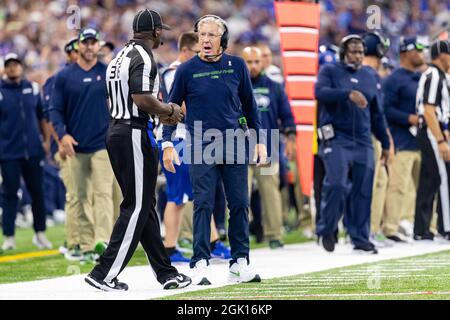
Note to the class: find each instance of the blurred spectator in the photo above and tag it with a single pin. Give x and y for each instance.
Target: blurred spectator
(106, 53)
(22, 149)
(37, 29)
(398, 18)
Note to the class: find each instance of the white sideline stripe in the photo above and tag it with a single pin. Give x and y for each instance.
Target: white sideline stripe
(292, 260)
(318, 295)
(298, 30)
(303, 103)
(304, 127)
(129, 233)
(302, 78)
(299, 54)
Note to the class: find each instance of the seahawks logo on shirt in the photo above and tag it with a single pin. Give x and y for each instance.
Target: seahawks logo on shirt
(262, 101)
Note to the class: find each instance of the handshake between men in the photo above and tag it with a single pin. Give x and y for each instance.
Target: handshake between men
(177, 114)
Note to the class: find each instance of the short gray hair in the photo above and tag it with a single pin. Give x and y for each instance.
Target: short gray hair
(218, 22)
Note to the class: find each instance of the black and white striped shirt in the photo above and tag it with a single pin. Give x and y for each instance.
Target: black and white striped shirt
(132, 71)
(433, 89)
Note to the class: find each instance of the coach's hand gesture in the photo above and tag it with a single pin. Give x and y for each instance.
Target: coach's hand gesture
(260, 156)
(67, 143)
(170, 156)
(358, 98)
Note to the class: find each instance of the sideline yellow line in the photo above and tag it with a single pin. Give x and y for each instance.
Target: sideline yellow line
(29, 255)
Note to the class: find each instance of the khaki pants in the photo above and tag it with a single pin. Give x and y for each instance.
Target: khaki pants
(402, 190)
(380, 183)
(268, 186)
(95, 167)
(186, 223)
(71, 224)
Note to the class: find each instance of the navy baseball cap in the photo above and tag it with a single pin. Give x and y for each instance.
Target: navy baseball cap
(148, 20)
(376, 44)
(72, 45)
(89, 33)
(12, 57)
(411, 43)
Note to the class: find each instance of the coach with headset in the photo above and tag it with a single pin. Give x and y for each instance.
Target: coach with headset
(217, 91)
(349, 113)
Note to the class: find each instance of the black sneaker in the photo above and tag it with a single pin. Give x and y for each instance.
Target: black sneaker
(115, 285)
(424, 237)
(327, 242)
(395, 239)
(368, 248)
(177, 282)
(275, 244)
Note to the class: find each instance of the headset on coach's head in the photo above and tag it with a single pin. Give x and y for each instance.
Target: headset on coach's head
(225, 36)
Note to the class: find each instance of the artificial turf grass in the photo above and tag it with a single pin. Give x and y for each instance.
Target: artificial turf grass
(380, 279)
(57, 266)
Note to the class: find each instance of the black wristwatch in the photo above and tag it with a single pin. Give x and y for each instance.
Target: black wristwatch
(441, 141)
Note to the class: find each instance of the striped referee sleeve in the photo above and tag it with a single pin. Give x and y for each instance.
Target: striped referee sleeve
(141, 79)
(432, 88)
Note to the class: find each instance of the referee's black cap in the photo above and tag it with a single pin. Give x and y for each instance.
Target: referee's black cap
(438, 47)
(148, 20)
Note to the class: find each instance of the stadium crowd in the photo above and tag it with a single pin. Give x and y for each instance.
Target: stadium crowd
(42, 35)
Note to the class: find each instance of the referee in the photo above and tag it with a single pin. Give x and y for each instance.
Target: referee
(433, 106)
(133, 84)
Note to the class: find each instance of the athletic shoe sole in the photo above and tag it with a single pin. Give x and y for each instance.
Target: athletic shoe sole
(232, 278)
(72, 258)
(98, 285)
(364, 252)
(174, 284)
(203, 282)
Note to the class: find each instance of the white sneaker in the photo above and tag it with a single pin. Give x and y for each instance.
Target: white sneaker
(380, 241)
(406, 227)
(240, 272)
(200, 273)
(59, 216)
(9, 243)
(41, 241)
(22, 222)
(49, 222)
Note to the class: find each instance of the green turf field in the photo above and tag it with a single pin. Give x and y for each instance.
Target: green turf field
(58, 266)
(421, 277)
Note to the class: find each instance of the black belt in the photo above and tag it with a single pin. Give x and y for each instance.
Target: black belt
(134, 123)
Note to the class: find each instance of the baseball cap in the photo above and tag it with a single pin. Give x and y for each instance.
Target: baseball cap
(148, 20)
(108, 44)
(72, 45)
(88, 33)
(12, 57)
(376, 44)
(411, 43)
(438, 47)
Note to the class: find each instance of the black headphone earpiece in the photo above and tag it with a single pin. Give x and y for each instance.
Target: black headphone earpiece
(344, 43)
(225, 36)
(382, 46)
